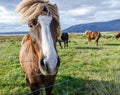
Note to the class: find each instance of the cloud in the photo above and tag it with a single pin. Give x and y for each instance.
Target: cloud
(9, 21)
(13, 27)
(112, 3)
(75, 16)
(7, 16)
(107, 15)
(88, 11)
(71, 12)
(80, 11)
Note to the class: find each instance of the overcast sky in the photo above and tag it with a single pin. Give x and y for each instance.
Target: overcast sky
(71, 12)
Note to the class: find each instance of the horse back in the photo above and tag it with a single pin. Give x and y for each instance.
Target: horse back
(95, 35)
(64, 36)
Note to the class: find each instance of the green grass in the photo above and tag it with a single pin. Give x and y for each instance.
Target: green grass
(84, 70)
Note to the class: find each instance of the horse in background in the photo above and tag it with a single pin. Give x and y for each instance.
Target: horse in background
(93, 36)
(116, 35)
(38, 55)
(64, 38)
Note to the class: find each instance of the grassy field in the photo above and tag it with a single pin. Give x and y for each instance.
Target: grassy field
(85, 69)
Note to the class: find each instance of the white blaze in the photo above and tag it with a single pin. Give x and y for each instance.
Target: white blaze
(47, 41)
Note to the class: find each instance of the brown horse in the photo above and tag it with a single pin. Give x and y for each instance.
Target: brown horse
(38, 56)
(117, 35)
(93, 36)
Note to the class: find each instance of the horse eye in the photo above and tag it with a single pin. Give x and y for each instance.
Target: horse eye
(30, 26)
(34, 22)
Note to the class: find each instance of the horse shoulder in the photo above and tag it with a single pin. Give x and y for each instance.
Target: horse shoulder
(28, 57)
(25, 47)
(89, 34)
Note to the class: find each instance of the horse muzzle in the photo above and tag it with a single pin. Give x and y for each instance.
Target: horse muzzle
(49, 66)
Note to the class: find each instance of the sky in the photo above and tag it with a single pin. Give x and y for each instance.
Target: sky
(71, 12)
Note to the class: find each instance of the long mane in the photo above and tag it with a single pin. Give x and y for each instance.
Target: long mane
(30, 9)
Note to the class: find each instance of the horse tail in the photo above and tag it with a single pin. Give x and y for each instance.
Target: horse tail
(98, 36)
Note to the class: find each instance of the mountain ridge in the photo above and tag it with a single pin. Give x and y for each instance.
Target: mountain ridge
(113, 25)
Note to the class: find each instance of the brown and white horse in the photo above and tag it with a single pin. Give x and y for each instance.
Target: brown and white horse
(93, 36)
(38, 56)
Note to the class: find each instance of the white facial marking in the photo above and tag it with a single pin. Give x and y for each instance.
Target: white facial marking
(47, 41)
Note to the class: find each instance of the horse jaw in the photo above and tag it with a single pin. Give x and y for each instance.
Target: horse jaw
(49, 52)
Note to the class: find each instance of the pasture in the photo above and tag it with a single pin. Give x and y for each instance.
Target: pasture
(84, 70)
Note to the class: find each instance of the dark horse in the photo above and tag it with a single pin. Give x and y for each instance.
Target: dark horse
(38, 56)
(64, 38)
(93, 36)
(117, 35)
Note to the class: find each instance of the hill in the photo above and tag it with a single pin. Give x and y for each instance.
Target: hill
(113, 25)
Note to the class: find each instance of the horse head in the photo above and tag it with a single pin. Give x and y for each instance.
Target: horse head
(43, 21)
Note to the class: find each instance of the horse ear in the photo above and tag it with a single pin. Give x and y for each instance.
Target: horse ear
(56, 6)
(30, 24)
(45, 9)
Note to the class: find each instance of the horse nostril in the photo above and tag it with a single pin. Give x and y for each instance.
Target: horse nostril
(44, 64)
(41, 62)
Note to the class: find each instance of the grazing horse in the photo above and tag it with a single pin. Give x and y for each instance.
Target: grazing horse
(64, 38)
(38, 56)
(116, 35)
(93, 36)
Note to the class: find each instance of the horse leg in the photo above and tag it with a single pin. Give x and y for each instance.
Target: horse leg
(35, 88)
(97, 42)
(49, 86)
(48, 89)
(89, 42)
(67, 43)
(64, 44)
(60, 44)
(27, 80)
